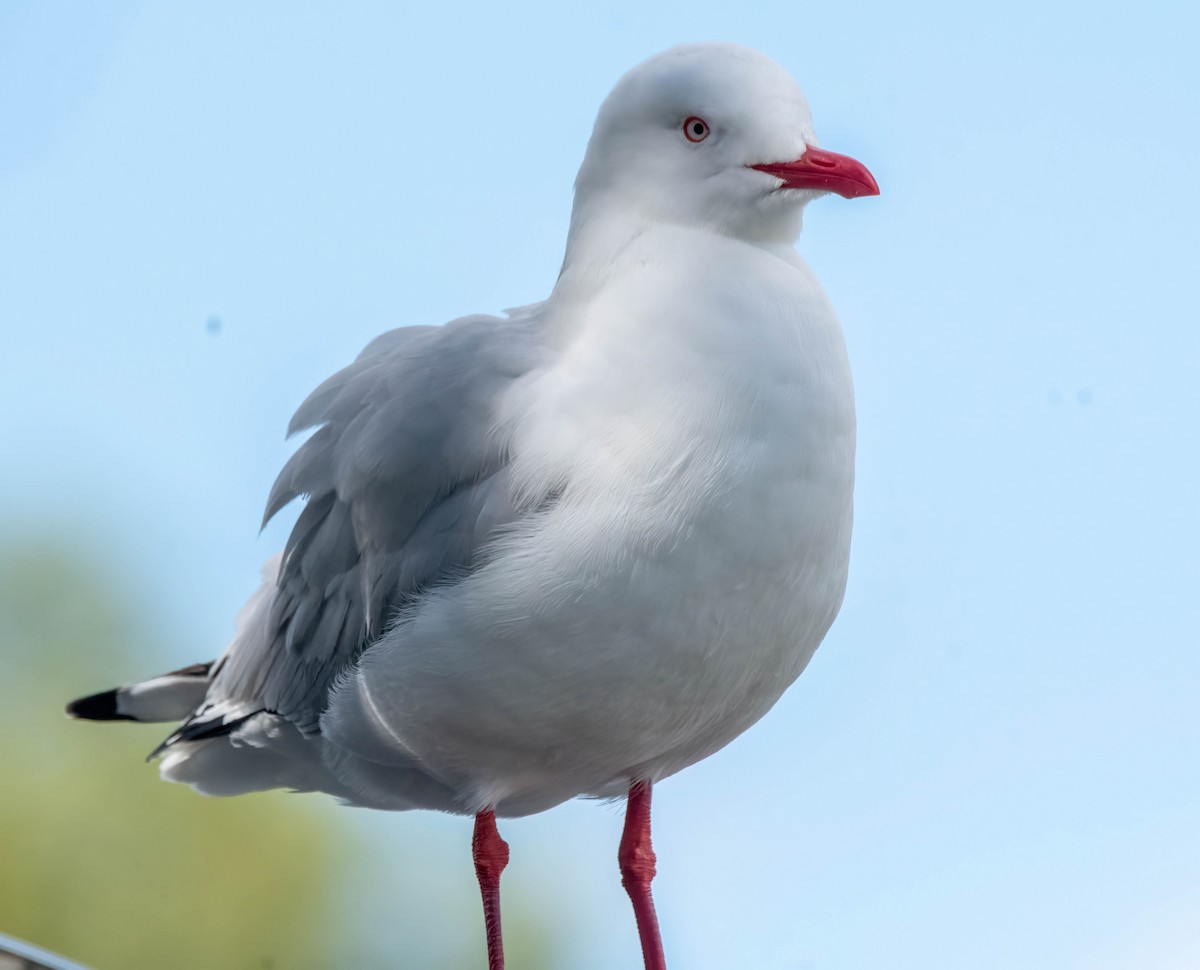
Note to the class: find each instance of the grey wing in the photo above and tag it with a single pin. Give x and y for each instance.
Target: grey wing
(405, 483)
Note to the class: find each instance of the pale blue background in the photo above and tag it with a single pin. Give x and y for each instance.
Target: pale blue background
(205, 209)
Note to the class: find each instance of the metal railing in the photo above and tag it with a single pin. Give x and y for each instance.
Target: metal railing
(19, 955)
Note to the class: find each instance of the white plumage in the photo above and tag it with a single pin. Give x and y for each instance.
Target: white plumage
(577, 547)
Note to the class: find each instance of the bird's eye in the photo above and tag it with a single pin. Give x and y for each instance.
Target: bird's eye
(696, 129)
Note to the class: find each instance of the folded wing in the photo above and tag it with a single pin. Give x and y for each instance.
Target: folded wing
(405, 483)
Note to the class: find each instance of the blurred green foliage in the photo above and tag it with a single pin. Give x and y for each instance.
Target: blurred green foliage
(106, 864)
(101, 860)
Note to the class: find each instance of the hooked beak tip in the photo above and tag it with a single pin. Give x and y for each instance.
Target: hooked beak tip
(824, 171)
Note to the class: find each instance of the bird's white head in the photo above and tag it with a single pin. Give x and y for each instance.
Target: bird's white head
(714, 135)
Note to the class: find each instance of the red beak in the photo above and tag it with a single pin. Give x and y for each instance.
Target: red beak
(824, 171)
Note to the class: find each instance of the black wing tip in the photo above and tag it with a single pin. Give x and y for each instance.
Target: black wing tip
(193, 670)
(162, 746)
(202, 730)
(97, 707)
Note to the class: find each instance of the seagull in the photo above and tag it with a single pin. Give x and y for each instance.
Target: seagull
(577, 548)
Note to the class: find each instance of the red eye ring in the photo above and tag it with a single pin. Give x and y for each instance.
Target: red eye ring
(695, 129)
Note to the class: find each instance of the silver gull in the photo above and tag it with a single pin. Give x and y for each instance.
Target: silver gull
(572, 550)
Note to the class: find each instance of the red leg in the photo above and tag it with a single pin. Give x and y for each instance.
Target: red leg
(491, 856)
(636, 857)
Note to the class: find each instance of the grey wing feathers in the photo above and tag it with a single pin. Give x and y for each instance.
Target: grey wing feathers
(404, 481)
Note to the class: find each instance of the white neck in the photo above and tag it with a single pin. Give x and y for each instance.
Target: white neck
(604, 223)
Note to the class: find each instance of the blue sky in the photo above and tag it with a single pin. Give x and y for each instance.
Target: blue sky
(205, 209)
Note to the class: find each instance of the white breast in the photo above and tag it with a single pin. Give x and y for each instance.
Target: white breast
(693, 447)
